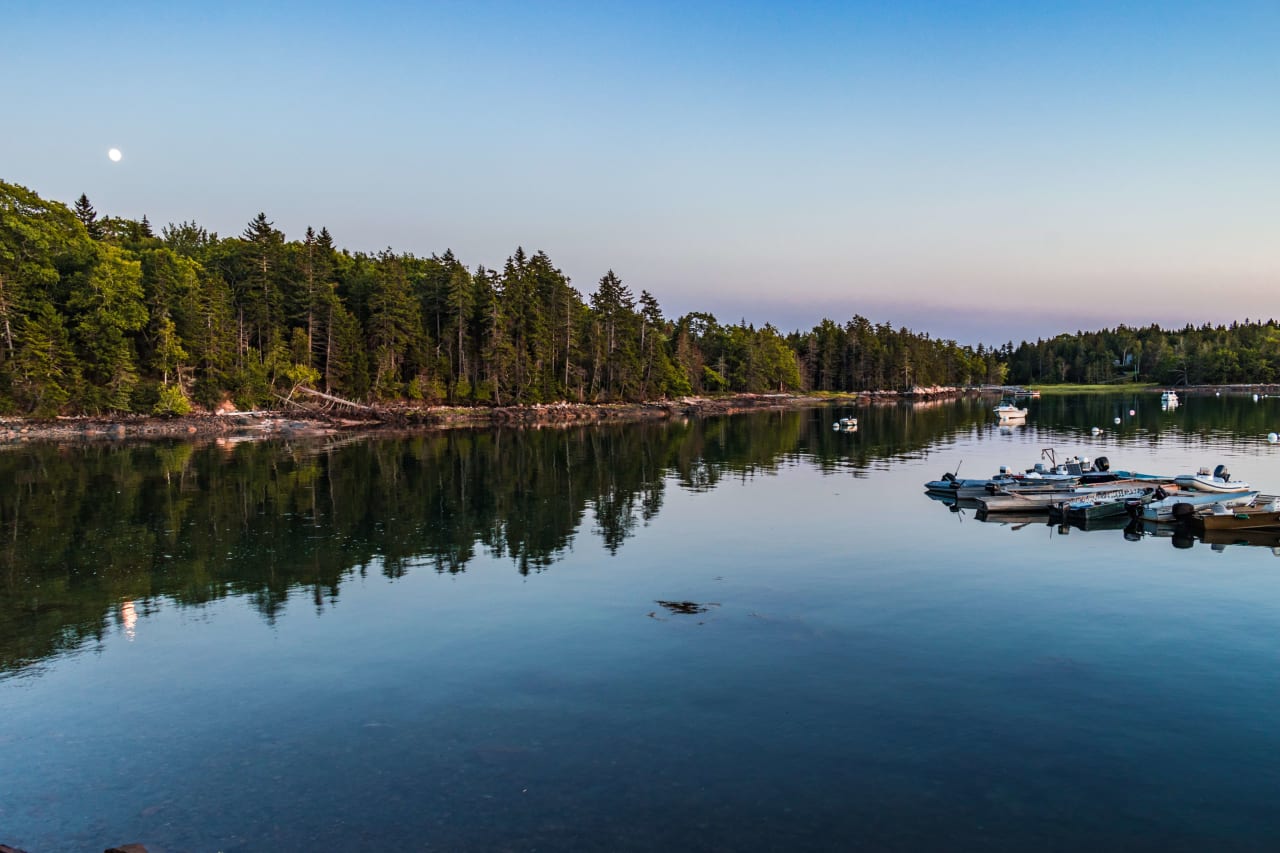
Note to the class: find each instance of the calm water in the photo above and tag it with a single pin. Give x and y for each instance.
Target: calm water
(745, 633)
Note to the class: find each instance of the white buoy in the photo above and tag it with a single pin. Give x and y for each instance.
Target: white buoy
(1272, 438)
(1096, 430)
(1255, 398)
(1117, 422)
(1132, 413)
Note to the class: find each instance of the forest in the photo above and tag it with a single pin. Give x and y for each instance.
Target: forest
(1247, 352)
(100, 314)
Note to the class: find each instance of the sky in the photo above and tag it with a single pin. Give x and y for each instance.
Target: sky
(982, 171)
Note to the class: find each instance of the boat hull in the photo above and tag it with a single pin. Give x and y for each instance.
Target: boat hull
(1216, 485)
(1110, 505)
(1240, 518)
(1162, 510)
(1046, 499)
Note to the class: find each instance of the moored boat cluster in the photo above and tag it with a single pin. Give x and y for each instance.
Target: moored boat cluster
(1083, 491)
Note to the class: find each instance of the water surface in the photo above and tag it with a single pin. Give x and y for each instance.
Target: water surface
(734, 633)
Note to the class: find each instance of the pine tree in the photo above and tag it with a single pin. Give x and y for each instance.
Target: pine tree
(460, 301)
(187, 238)
(651, 351)
(619, 332)
(394, 318)
(88, 217)
(107, 307)
(44, 374)
(310, 251)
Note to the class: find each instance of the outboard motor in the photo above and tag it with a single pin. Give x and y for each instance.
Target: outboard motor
(1221, 473)
(1102, 463)
(950, 478)
(1181, 511)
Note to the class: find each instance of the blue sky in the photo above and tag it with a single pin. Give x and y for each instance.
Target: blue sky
(979, 170)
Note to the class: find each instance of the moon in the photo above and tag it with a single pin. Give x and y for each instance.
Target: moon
(114, 155)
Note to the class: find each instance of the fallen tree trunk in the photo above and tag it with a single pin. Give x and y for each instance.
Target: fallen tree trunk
(332, 399)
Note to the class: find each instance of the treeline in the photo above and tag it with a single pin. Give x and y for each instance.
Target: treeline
(101, 314)
(1247, 352)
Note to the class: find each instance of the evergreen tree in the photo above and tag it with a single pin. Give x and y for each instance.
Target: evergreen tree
(106, 308)
(88, 217)
(260, 291)
(43, 374)
(394, 317)
(460, 304)
(187, 238)
(615, 308)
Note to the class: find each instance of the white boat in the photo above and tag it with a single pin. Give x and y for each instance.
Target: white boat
(1169, 400)
(845, 425)
(1066, 474)
(1040, 500)
(1009, 412)
(1165, 509)
(1219, 481)
(950, 483)
(1005, 480)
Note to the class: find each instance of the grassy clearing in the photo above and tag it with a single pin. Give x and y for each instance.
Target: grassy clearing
(1113, 388)
(832, 395)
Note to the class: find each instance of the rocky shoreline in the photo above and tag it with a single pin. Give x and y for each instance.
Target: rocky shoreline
(283, 424)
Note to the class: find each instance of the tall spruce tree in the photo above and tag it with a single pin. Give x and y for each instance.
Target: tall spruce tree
(460, 302)
(88, 217)
(107, 307)
(262, 296)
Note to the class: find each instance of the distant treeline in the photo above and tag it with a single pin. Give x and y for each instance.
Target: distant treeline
(101, 314)
(1247, 352)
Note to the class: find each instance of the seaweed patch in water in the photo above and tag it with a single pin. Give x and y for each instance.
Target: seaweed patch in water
(687, 608)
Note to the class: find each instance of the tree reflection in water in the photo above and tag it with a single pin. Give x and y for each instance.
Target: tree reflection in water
(97, 534)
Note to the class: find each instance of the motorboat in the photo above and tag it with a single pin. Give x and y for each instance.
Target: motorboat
(1045, 500)
(1007, 411)
(1184, 504)
(1219, 481)
(1072, 471)
(846, 425)
(1104, 504)
(1260, 514)
(950, 483)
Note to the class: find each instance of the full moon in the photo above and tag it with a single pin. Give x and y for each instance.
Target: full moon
(114, 155)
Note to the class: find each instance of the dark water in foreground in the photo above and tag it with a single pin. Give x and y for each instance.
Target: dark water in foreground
(747, 633)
